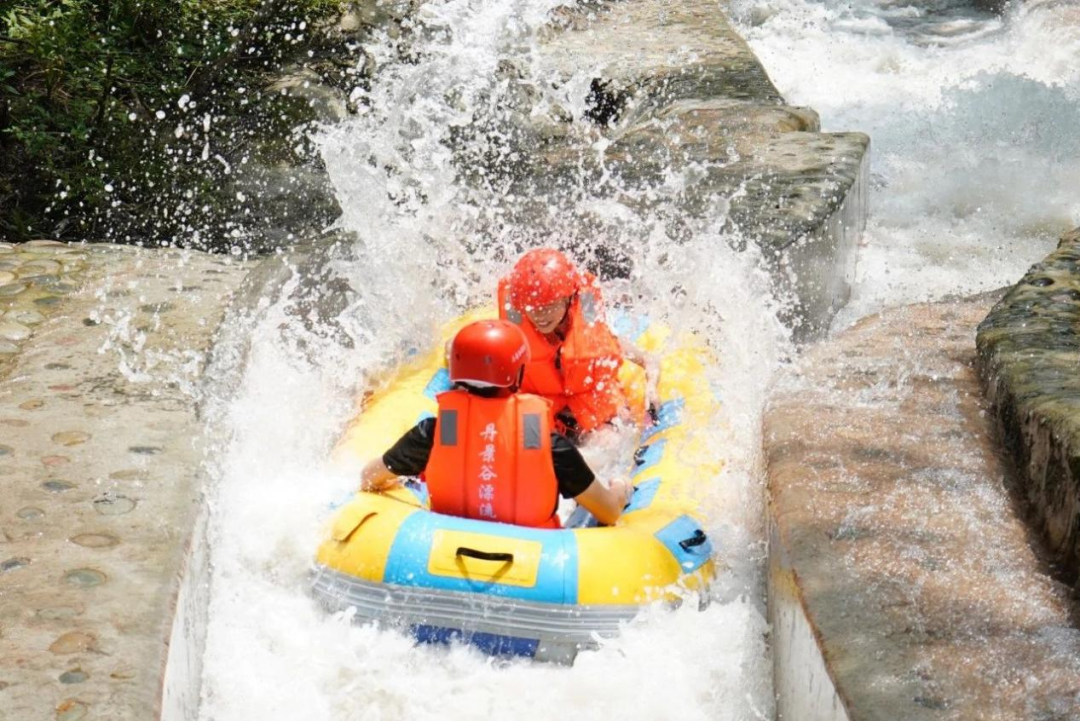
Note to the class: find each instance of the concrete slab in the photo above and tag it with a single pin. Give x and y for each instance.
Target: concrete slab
(100, 470)
(898, 556)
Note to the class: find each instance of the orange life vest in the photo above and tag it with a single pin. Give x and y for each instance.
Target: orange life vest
(491, 460)
(581, 372)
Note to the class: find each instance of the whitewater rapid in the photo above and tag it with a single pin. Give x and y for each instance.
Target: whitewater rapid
(974, 120)
(975, 135)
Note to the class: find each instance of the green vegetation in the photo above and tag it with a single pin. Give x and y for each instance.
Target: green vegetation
(124, 119)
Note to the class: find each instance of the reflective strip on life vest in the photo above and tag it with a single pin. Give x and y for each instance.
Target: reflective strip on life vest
(531, 431)
(448, 427)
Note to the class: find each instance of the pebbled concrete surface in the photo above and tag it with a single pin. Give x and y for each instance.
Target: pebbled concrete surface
(893, 527)
(99, 464)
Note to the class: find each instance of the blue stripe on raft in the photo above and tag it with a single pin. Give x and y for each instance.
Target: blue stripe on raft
(492, 644)
(439, 383)
(581, 518)
(643, 495)
(557, 576)
(627, 326)
(418, 489)
(682, 529)
(668, 415)
(649, 456)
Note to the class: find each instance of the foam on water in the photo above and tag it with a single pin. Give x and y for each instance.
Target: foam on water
(975, 123)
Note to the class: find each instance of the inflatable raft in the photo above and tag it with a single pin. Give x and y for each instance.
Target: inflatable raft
(520, 591)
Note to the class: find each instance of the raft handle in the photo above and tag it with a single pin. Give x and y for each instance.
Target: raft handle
(484, 555)
(697, 539)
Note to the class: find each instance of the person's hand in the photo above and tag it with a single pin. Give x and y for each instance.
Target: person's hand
(623, 490)
(376, 477)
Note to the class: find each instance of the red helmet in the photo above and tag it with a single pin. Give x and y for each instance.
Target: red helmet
(541, 277)
(489, 354)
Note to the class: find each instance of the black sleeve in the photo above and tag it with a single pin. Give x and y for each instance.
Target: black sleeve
(409, 456)
(571, 470)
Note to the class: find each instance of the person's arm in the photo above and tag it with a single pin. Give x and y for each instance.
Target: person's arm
(606, 504)
(577, 481)
(376, 476)
(407, 457)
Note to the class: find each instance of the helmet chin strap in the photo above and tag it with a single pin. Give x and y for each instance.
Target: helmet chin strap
(517, 384)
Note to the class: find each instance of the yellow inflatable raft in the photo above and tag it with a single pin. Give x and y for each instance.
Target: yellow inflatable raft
(525, 591)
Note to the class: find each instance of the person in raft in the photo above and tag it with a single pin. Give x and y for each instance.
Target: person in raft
(490, 453)
(575, 357)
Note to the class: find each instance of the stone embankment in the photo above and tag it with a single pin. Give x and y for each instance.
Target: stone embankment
(675, 90)
(903, 580)
(1029, 358)
(101, 349)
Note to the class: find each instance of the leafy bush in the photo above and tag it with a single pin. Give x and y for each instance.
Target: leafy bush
(122, 118)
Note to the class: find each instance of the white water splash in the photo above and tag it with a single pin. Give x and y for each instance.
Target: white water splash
(975, 123)
(935, 96)
(270, 652)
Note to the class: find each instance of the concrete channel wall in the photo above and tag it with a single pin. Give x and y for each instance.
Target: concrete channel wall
(181, 681)
(803, 682)
(1029, 360)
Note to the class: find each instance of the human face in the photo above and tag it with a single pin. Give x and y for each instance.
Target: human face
(547, 318)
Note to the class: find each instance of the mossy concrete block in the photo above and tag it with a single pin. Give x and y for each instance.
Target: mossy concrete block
(1029, 359)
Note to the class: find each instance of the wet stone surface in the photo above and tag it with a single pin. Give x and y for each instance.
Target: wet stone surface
(32, 280)
(96, 540)
(675, 90)
(114, 505)
(71, 438)
(75, 675)
(58, 613)
(71, 710)
(84, 577)
(892, 522)
(128, 474)
(13, 564)
(73, 642)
